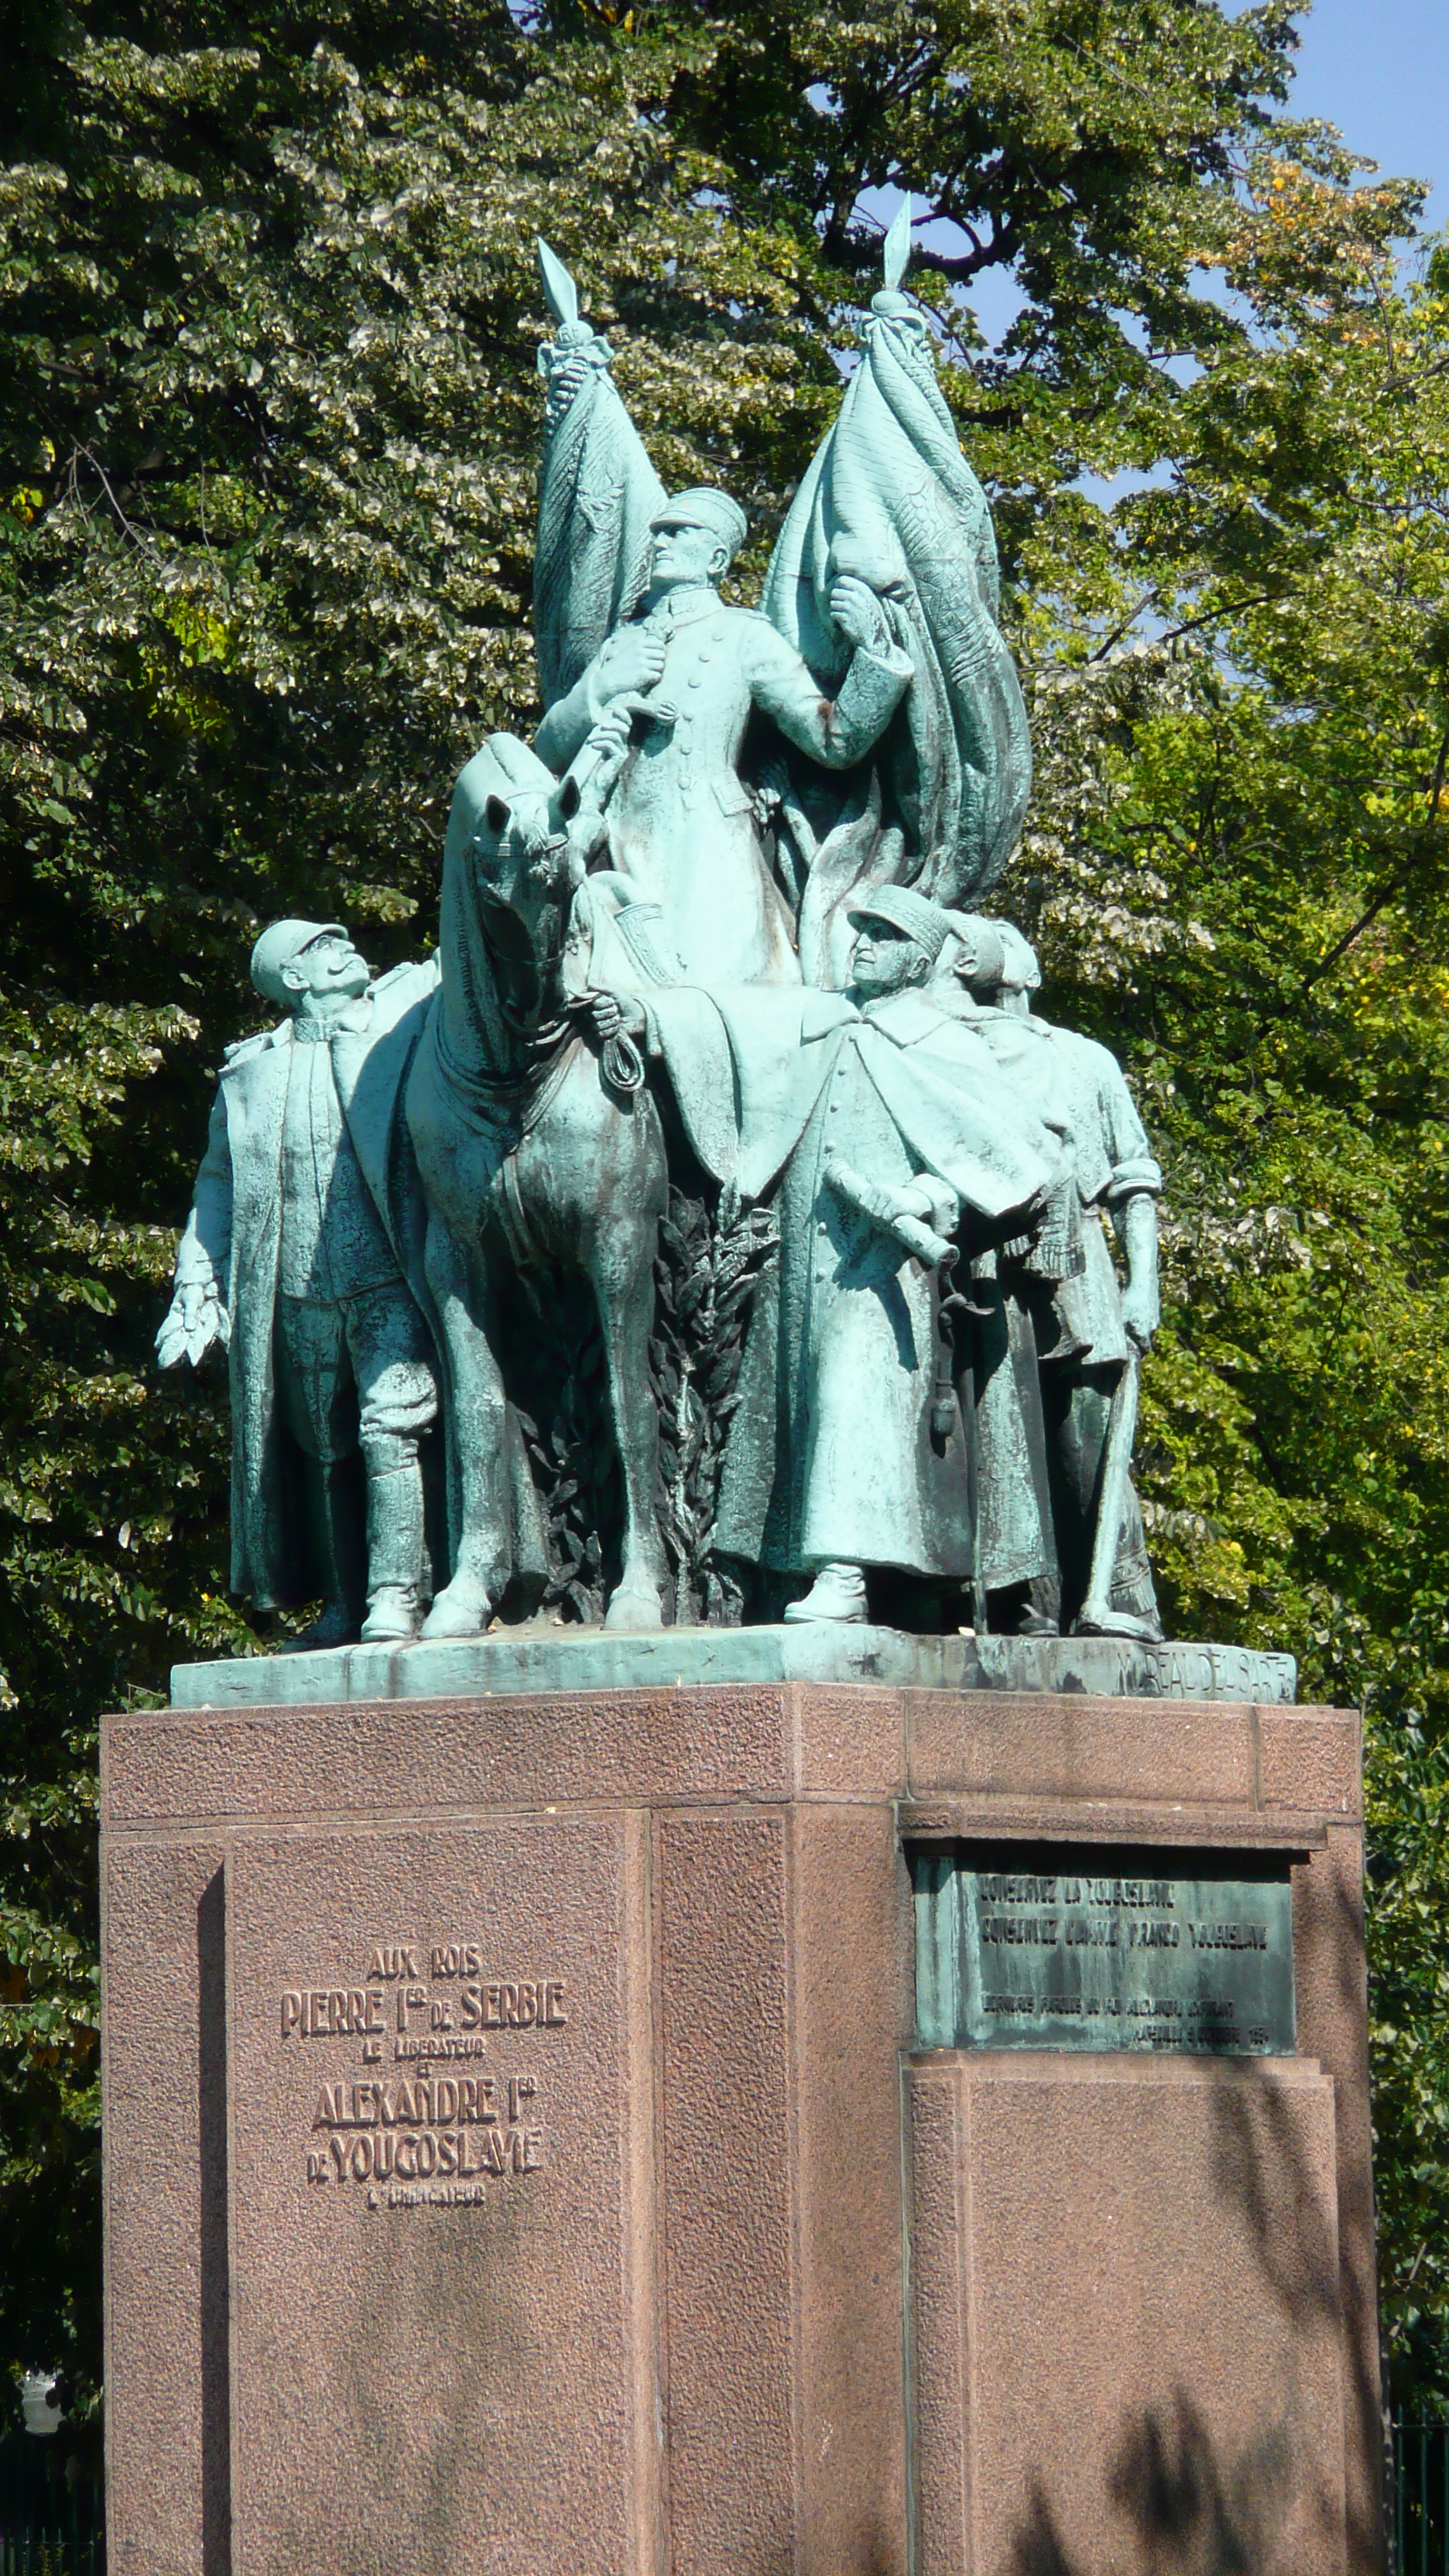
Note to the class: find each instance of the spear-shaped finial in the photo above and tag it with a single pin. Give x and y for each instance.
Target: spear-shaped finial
(558, 286)
(898, 246)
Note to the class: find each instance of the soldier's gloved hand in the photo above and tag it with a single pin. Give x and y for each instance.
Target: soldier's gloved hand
(632, 659)
(195, 1320)
(858, 613)
(1141, 1313)
(561, 383)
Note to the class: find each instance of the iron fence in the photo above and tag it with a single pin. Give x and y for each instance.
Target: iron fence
(52, 2519)
(1420, 2500)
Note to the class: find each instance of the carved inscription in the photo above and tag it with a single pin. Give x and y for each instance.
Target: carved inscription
(414, 2136)
(1061, 1948)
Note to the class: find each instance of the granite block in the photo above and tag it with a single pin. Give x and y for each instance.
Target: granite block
(1128, 2343)
(745, 2279)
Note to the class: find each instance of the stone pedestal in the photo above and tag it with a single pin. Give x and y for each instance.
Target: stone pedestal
(520, 2159)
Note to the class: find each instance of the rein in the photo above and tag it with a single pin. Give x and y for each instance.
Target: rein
(526, 1094)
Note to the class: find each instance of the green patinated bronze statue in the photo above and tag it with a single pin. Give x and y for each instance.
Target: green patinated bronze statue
(300, 1257)
(711, 970)
(682, 823)
(1057, 1374)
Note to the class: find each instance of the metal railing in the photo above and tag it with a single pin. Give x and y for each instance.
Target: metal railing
(52, 2521)
(1420, 2501)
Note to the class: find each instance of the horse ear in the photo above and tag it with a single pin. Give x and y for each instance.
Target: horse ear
(568, 798)
(496, 814)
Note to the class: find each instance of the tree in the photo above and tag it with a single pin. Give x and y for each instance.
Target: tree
(271, 421)
(1248, 867)
(271, 418)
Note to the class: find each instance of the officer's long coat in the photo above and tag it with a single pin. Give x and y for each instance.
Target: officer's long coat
(831, 1454)
(234, 1236)
(681, 821)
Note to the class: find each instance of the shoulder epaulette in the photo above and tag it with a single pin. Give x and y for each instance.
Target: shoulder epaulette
(241, 1048)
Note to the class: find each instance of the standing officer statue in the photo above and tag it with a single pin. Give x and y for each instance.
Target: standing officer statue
(695, 673)
(296, 1259)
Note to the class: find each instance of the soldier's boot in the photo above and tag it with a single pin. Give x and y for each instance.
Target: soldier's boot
(838, 1592)
(394, 1539)
(1134, 1611)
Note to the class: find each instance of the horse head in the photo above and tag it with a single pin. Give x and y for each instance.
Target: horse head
(507, 856)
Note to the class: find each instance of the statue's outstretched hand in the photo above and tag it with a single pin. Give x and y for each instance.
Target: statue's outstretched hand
(195, 1320)
(858, 613)
(632, 659)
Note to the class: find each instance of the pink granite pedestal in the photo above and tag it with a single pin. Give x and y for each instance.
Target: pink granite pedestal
(519, 2161)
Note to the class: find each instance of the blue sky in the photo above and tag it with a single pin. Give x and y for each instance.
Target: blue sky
(1380, 70)
(1377, 69)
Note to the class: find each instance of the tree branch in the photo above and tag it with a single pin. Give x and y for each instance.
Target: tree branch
(995, 253)
(1394, 885)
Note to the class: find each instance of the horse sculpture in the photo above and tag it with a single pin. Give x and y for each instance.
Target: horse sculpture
(530, 1153)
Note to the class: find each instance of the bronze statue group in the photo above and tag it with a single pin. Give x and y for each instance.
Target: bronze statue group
(725, 913)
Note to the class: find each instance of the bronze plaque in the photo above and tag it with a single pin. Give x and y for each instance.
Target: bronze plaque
(1066, 1945)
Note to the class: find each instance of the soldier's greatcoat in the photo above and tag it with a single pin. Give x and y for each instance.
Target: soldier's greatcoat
(831, 1454)
(234, 1236)
(1046, 1366)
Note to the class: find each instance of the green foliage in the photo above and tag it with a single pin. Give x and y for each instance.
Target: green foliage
(268, 427)
(270, 418)
(1238, 870)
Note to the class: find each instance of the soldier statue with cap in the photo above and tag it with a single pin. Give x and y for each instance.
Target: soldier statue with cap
(1057, 1366)
(682, 823)
(304, 1232)
(834, 1045)
(847, 1456)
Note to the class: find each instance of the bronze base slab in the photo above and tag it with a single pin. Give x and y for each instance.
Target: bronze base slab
(547, 1655)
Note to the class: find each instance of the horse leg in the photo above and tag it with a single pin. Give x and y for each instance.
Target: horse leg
(478, 1502)
(620, 1262)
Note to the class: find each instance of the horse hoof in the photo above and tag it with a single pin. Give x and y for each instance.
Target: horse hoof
(636, 1607)
(463, 1610)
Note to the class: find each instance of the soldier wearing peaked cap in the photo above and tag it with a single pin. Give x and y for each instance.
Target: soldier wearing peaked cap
(692, 672)
(305, 1229)
(1050, 1360)
(706, 507)
(839, 1466)
(926, 925)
